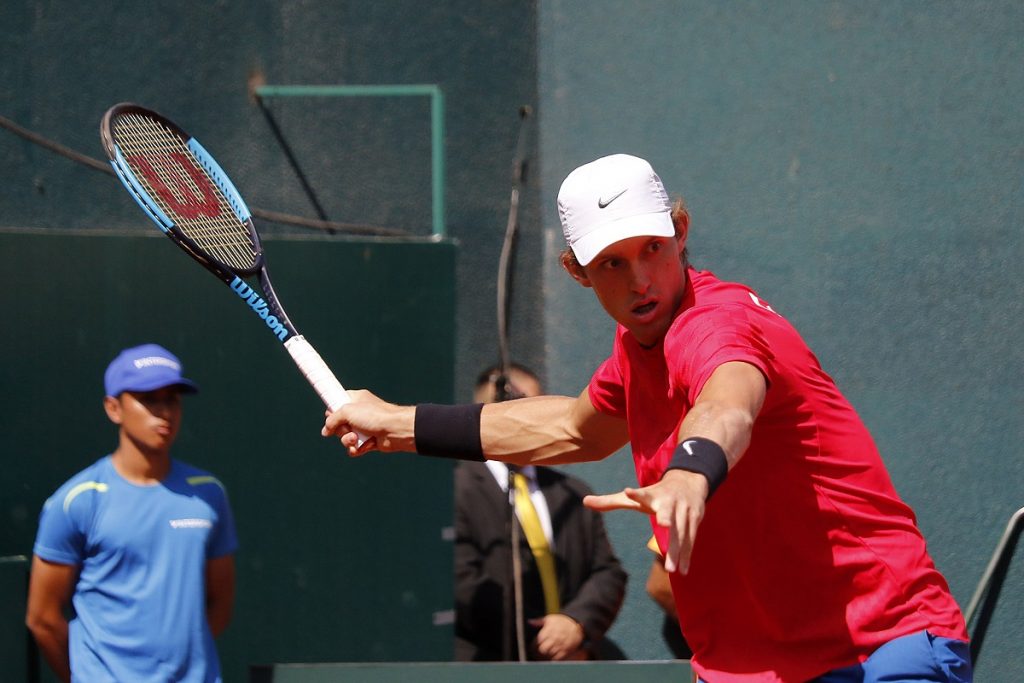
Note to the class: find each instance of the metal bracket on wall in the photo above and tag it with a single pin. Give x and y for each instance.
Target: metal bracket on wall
(436, 124)
(983, 603)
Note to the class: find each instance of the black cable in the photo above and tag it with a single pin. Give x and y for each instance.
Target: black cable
(60, 149)
(286, 148)
(330, 227)
(504, 288)
(514, 597)
(503, 390)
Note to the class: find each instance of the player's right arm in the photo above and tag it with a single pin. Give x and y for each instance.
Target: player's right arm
(49, 592)
(547, 430)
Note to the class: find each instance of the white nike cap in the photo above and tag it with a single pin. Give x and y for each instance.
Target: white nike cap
(612, 199)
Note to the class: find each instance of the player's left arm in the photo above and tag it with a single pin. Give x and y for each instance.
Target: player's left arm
(723, 413)
(220, 592)
(726, 408)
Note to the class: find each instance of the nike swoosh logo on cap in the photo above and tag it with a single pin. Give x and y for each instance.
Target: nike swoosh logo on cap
(602, 202)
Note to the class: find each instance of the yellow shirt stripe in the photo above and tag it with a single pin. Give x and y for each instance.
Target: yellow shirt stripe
(82, 488)
(203, 479)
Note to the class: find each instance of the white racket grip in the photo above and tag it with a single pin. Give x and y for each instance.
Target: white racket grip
(318, 375)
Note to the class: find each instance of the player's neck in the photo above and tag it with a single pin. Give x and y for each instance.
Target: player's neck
(140, 466)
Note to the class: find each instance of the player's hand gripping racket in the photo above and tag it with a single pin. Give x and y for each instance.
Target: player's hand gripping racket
(190, 198)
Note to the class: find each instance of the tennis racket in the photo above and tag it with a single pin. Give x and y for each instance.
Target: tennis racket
(191, 199)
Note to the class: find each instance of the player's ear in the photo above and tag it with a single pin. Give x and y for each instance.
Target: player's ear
(681, 240)
(112, 406)
(573, 267)
(681, 221)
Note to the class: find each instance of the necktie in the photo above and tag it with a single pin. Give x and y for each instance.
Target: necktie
(538, 542)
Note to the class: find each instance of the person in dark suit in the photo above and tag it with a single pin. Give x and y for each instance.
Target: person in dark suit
(591, 584)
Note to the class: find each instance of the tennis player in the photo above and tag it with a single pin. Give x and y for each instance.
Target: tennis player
(792, 557)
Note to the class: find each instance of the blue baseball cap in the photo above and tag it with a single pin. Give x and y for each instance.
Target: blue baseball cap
(145, 368)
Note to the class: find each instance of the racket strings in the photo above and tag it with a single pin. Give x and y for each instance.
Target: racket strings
(177, 182)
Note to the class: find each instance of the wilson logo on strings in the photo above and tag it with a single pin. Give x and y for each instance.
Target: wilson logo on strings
(182, 200)
(262, 309)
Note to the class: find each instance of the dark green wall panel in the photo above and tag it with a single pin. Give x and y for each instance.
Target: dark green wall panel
(340, 559)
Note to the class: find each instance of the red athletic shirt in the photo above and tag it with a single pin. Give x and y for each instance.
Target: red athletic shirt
(806, 560)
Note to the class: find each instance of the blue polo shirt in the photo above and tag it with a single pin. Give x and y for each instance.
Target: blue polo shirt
(140, 600)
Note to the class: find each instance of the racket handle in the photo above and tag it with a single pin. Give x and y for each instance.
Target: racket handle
(319, 375)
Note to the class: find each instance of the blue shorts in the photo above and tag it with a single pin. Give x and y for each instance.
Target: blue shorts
(915, 658)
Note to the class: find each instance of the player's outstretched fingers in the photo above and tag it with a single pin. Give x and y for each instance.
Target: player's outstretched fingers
(682, 522)
(644, 497)
(613, 501)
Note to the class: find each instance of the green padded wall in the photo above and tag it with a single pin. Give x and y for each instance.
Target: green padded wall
(341, 559)
(859, 164)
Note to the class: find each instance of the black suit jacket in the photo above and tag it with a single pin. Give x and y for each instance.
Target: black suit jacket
(591, 581)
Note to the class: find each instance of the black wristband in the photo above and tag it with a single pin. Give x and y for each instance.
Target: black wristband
(697, 454)
(449, 431)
